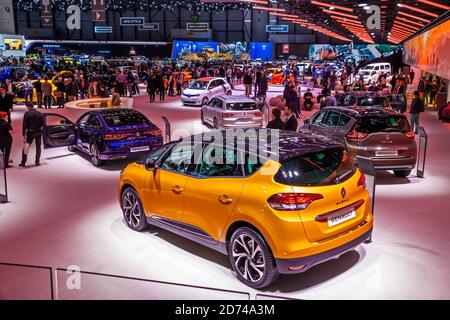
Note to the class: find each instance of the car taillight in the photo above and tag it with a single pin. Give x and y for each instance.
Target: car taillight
(355, 135)
(114, 136)
(258, 113)
(292, 201)
(156, 132)
(410, 135)
(227, 114)
(361, 180)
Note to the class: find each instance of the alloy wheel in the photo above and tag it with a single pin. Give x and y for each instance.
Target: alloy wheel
(131, 209)
(248, 258)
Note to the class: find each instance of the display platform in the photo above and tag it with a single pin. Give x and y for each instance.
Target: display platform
(99, 103)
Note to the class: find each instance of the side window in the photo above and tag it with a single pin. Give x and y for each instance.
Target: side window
(212, 103)
(252, 164)
(93, 121)
(212, 84)
(180, 159)
(156, 154)
(217, 161)
(84, 120)
(317, 121)
(218, 104)
(219, 82)
(343, 120)
(332, 119)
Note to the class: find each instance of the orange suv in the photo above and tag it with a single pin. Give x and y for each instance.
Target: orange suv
(305, 204)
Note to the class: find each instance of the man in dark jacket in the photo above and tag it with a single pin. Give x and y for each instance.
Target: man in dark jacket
(276, 122)
(33, 121)
(421, 88)
(416, 108)
(6, 102)
(291, 122)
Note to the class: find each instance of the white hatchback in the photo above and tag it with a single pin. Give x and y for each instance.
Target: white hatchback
(202, 90)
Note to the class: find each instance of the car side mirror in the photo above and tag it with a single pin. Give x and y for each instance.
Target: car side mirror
(151, 164)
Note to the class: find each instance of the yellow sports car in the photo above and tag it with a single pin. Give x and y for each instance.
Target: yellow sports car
(305, 204)
(13, 44)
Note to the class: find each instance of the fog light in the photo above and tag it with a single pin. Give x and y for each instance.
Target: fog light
(296, 268)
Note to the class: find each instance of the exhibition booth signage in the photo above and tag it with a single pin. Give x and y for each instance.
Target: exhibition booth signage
(131, 21)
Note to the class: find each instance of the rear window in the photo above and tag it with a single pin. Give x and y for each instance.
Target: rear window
(371, 101)
(326, 167)
(125, 119)
(391, 123)
(241, 106)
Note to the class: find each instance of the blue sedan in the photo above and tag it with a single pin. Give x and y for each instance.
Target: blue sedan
(107, 134)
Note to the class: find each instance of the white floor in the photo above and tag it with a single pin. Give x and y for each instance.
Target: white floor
(66, 213)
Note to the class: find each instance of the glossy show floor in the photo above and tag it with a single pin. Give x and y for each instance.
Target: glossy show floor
(66, 213)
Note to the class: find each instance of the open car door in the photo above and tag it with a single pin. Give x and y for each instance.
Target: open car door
(58, 131)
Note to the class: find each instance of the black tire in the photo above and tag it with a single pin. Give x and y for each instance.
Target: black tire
(71, 148)
(202, 118)
(402, 173)
(132, 209)
(94, 156)
(262, 259)
(229, 93)
(205, 101)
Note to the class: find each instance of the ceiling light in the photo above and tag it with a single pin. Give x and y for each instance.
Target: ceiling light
(400, 5)
(331, 8)
(362, 5)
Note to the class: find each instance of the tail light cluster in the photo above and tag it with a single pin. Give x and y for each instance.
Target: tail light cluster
(118, 136)
(410, 135)
(156, 132)
(292, 201)
(361, 180)
(355, 135)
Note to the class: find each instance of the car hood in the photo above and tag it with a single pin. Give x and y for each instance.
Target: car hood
(192, 92)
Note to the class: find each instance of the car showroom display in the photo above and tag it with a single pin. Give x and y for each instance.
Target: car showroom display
(201, 91)
(313, 207)
(373, 132)
(232, 112)
(103, 134)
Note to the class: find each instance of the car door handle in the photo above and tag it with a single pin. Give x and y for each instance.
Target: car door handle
(177, 189)
(225, 199)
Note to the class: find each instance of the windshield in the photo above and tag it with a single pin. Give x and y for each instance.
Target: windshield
(241, 106)
(199, 85)
(375, 123)
(326, 167)
(125, 118)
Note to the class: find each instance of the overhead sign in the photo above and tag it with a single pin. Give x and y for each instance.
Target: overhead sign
(103, 29)
(98, 10)
(277, 28)
(199, 26)
(131, 21)
(46, 13)
(149, 26)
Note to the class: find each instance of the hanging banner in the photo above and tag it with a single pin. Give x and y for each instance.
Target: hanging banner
(98, 12)
(7, 17)
(46, 13)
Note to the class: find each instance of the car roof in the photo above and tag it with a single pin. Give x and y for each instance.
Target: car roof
(209, 78)
(111, 112)
(358, 111)
(240, 98)
(291, 144)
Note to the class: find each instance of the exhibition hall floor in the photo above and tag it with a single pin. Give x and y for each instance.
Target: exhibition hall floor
(66, 213)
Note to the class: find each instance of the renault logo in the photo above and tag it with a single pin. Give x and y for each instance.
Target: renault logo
(388, 137)
(138, 134)
(343, 193)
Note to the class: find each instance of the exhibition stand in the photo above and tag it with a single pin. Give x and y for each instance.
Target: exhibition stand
(99, 103)
(421, 155)
(3, 183)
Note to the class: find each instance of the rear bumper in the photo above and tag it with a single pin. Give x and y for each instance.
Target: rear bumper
(283, 265)
(124, 151)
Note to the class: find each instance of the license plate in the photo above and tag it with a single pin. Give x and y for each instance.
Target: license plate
(139, 149)
(332, 221)
(245, 119)
(393, 153)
